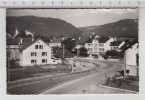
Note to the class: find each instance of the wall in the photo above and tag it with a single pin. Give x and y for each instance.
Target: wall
(26, 54)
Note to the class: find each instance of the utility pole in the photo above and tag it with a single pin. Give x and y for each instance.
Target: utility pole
(8, 64)
(124, 65)
(77, 51)
(63, 51)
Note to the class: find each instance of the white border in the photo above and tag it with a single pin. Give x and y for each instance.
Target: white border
(139, 96)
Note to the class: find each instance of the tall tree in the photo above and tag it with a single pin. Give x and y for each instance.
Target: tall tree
(69, 44)
(83, 51)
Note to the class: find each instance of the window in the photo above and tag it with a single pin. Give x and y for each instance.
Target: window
(44, 60)
(33, 54)
(44, 53)
(33, 61)
(101, 49)
(40, 46)
(101, 44)
(36, 46)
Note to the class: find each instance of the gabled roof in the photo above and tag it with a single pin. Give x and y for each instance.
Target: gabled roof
(115, 43)
(103, 39)
(28, 43)
(83, 39)
(127, 45)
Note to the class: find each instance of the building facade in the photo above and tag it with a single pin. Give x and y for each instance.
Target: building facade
(36, 53)
(131, 60)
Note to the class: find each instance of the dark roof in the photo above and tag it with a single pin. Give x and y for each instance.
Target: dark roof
(83, 39)
(127, 45)
(115, 43)
(12, 41)
(27, 43)
(103, 39)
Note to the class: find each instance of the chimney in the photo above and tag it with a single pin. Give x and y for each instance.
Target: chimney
(32, 38)
(115, 39)
(90, 36)
(21, 41)
(79, 38)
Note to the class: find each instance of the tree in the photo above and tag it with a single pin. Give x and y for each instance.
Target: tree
(22, 34)
(83, 51)
(69, 44)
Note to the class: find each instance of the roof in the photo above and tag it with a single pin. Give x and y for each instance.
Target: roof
(28, 43)
(83, 39)
(103, 39)
(115, 43)
(127, 45)
(12, 41)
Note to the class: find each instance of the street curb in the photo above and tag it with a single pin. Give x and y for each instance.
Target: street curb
(117, 88)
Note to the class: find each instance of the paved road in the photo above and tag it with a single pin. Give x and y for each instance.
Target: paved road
(89, 83)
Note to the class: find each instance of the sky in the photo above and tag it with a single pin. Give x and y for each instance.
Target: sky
(79, 17)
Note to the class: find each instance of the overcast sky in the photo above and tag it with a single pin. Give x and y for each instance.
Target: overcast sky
(80, 17)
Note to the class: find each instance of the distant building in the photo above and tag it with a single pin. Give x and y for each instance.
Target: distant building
(97, 46)
(55, 43)
(115, 45)
(12, 48)
(35, 53)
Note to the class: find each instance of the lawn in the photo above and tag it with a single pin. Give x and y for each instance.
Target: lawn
(37, 71)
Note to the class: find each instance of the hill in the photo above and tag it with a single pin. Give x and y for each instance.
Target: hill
(42, 26)
(127, 28)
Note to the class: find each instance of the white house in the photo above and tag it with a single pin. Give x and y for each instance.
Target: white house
(35, 53)
(115, 45)
(131, 59)
(98, 45)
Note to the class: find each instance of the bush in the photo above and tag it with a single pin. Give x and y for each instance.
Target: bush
(14, 64)
(114, 54)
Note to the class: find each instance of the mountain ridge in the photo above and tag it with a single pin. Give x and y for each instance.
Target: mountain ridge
(122, 28)
(44, 26)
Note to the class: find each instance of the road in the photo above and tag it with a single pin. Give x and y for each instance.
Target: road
(89, 83)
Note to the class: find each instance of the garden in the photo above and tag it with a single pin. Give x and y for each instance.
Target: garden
(127, 83)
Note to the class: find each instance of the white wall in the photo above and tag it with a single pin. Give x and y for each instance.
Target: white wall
(107, 44)
(26, 54)
(131, 55)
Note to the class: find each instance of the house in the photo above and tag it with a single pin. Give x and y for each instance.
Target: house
(55, 43)
(12, 48)
(97, 46)
(35, 53)
(115, 45)
(131, 59)
(131, 52)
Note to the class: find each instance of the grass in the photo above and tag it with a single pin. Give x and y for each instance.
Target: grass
(37, 87)
(33, 71)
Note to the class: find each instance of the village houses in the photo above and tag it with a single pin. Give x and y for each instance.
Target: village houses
(30, 52)
(97, 46)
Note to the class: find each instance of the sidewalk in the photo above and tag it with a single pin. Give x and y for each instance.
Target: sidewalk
(105, 90)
